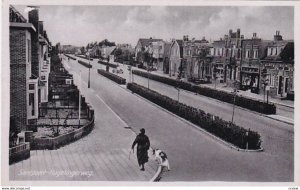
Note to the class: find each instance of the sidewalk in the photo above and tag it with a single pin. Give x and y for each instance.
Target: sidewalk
(102, 155)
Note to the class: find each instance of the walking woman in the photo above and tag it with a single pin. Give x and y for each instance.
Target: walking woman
(143, 145)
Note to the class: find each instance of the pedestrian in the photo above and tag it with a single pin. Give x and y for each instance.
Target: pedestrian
(143, 145)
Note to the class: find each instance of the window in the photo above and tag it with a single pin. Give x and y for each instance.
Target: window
(247, 53)
(28, 50)
(43, 78)
(31, 86)
(31, 103)
(271, 51)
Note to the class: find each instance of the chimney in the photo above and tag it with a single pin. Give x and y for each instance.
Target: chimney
(242, 37)
(230, 33)
(254, 35)
(277, 37)
(33, 18)
(238, 33)
(41, 27)
(185, 38)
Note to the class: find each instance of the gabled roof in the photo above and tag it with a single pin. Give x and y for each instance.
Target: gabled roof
(180, 44)
(146, 41)
(287, 52)
(110, 50)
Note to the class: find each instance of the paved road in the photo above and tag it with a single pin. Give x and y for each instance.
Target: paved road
(193, 155)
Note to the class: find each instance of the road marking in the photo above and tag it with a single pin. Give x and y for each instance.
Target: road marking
(126, 126)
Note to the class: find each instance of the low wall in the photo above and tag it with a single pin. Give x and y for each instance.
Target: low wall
(19, 152)
(56, 142)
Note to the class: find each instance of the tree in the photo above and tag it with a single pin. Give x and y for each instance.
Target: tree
(82, 50)
(118, 53)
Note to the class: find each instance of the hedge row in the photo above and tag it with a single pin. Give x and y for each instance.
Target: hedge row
(223, 129)
(84, 57)
(254, 105)
(112, 77)
(85, 64)
(70, 57)
(108, 64)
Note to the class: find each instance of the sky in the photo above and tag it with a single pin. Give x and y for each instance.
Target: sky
(79, 25)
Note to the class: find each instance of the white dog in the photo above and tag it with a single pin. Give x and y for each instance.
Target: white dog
(161, 158)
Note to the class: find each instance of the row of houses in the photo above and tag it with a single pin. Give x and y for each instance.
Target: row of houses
(29, 67)
(253, 63)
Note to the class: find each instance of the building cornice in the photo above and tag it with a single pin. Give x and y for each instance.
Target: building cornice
(26, 26)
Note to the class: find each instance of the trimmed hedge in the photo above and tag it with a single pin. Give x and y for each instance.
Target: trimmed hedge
(112, 77)
(70, 57)
(84, 57)
(85, 64)
(254, 105)
(108, 64)
(251, 104)
(223, 129)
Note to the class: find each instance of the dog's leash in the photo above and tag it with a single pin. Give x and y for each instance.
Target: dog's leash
(130, 154)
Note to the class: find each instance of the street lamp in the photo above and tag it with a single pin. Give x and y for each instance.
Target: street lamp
(89, 82)
(235, 91)
(215, 75)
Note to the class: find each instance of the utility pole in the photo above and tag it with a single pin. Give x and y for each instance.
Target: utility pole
(79, 109)
(89, 82)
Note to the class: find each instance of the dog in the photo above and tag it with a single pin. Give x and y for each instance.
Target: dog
(161, 158)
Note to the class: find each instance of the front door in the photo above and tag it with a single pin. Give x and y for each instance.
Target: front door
(280, 85)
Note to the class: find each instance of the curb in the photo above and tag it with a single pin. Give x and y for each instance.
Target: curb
(254, 112)
(287, 122)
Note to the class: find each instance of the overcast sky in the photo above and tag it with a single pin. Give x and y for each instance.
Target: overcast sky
(79, 25)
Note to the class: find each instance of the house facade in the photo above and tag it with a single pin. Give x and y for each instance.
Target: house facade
(278, 66)
(166, 57)
(226, 57)
(176, 55)
(197, 64)
(23, 103)
(29, 67)
(156, 50)
(143, 46)
(253, 50)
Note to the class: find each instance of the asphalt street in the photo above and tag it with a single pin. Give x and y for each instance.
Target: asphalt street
(193, 155)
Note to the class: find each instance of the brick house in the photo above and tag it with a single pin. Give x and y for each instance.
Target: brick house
(40, 55)
(253, 50)
(23, 87)
(29, 67)
(197, 64)
(226, 57)
(218, 59)
(279, 66)
(143, 46)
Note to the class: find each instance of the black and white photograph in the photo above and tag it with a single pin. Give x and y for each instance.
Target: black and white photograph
(148, 92)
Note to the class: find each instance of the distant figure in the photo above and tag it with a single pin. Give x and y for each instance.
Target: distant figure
(143, 145)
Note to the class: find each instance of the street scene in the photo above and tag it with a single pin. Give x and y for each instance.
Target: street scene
(151, 93)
